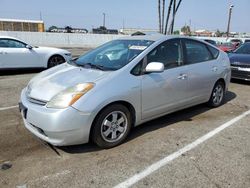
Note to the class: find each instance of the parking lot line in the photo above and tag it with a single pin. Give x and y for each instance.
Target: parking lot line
(7, 108)
(163, 162)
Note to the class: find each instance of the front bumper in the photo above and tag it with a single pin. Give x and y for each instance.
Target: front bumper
(241, 73)
(59, 127)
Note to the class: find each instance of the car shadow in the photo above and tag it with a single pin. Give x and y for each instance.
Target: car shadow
(19, 71)
(183, 115)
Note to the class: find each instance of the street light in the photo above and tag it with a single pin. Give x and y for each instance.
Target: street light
(104, 15)
(229, 19)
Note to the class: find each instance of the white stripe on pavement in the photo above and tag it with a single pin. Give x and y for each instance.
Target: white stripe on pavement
(7, 108)
(156, 166)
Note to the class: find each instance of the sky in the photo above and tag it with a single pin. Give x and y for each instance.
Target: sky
(200, 14)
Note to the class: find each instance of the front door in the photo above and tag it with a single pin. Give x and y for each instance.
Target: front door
(166, 91)
(16, 55)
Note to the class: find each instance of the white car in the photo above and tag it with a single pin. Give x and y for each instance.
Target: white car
(15, 53)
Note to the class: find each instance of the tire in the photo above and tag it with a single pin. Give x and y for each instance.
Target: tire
(55, 60)
(111, 126)
(218, 95)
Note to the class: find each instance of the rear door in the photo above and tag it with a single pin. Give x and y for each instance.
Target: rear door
(166, 91)
(202, 69)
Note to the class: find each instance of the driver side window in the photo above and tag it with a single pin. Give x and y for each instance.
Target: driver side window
(169, 53)
(14, 44)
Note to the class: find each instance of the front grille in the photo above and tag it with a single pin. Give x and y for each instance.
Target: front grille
(242, 65)
(240, 74)
(37, 101)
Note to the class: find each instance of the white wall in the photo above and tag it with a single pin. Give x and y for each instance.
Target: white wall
(61, 39)
(73, 39)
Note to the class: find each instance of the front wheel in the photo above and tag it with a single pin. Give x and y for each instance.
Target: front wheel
(111, 126)
(55, 60)
(218, 94)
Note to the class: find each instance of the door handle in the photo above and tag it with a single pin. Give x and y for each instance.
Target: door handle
(182, 76)
(215, 68)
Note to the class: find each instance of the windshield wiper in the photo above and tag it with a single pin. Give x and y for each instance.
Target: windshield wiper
(73, 62)
(100, 67)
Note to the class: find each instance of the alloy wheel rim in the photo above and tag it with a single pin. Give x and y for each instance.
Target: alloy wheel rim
(56, 61)
(114, 126)
(217, 94)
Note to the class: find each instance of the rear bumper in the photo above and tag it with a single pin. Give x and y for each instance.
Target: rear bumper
(59, 127)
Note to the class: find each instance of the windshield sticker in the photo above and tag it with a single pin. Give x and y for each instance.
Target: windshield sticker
(133, 47)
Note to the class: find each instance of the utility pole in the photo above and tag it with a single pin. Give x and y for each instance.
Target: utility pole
(123, 24)
(229, 19)
(104, 19)
(41, 18)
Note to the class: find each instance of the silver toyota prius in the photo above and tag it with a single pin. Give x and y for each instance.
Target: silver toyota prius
(104, 93)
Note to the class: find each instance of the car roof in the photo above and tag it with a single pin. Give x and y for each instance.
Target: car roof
(157, 37)
(8, 37)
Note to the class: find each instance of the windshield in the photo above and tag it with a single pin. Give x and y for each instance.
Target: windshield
(113, 55)
(243, 49)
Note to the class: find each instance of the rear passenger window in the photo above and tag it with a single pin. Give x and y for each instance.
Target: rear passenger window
(196, 52)
(213, 51)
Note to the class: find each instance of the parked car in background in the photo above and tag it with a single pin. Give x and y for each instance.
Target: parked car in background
(240, 62)
(227, 47)
(125, 82)
(16, 54)
(236, 42)
(211, 41)
(247, 40)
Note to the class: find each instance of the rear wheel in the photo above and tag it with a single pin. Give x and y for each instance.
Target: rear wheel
(111, 126)
(217, 96)
(55, 60)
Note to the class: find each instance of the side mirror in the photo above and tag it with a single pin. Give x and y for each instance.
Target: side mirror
(154, 67)
(29, 47)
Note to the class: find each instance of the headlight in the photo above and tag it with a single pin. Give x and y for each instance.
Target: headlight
(67, 54)
(69, 96)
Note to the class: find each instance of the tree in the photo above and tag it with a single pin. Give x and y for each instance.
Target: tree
(51, 28)
(177, 32)
(172, 3)
(218, 33)
(159, 14)
(68, 29)
(186, 30)
(163, 12)
(175, 9)
(168, 15)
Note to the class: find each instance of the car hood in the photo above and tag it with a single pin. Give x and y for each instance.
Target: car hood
(242, 58)
(52, 81)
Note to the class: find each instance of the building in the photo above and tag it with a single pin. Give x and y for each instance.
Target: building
(130, 31)
(21, 25)
(67, 29)
(104, 30)
(203, 33)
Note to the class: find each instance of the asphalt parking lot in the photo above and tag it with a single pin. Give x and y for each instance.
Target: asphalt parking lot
(223, 160)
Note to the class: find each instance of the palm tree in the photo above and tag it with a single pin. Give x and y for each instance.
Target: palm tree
(163, 12)
(159, 14)
(175, 9)
(167, 19)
